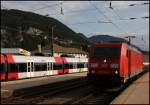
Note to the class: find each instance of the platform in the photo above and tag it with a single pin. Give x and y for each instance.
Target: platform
(7, 88)
(136, 93)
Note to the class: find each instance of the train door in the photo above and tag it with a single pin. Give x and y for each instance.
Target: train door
(79, 65)
(50, 68)
(85, 66)
(75, 67)
(30, 68)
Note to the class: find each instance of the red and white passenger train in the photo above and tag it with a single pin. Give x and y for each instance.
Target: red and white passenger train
(21, 67)
(117, 60)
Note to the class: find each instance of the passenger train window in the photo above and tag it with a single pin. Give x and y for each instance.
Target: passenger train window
(2, 68)
(19, 67)
(58, 66)
(75, 65)
(81, 65)
(13, 67)
(40, 66)
(66, 66)
(22, 67)
(70, 65)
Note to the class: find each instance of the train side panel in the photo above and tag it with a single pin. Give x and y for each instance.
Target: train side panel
(135, 59)
(2, 72)
(85, 64)
(21, 67)
(12, 73)
(136, 63)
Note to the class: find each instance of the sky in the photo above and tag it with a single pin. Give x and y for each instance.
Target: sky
(95, 17)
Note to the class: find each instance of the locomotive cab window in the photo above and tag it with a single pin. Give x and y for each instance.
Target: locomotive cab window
(106, 52)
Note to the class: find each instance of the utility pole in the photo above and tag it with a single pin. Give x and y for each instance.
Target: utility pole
(129, 37)
(129, 56)
(51, 39)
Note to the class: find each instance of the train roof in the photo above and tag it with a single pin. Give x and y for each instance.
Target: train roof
(17, 51)
(120, 42)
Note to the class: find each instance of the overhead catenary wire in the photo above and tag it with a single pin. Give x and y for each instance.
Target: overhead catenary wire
(89, 22)
(132, 4)
(128, 19)
(84, 10)
(100, 12)
(47, 6)
(141, 28)
(121, 17)
(106, 17)
(100, 22)
(110, 6)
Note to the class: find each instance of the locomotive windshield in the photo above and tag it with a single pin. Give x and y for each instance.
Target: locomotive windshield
(106, 52)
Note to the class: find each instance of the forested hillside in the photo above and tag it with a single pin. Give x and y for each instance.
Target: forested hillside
(27, 30)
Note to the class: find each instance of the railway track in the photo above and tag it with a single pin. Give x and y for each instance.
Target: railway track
(94, 97)
(40, 93)
(100, 98)
(70, 92)
(97, 96)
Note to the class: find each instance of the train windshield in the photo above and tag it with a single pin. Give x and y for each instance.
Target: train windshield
(106, 52)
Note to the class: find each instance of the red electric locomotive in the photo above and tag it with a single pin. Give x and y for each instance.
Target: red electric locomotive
(117, 60)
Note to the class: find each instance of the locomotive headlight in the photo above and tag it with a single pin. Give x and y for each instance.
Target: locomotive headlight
(114, 65)
(116, 72)
(93, 71)
(94, 65)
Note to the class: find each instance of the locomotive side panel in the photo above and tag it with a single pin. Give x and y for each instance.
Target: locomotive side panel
(136, 62)
(124, 63)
